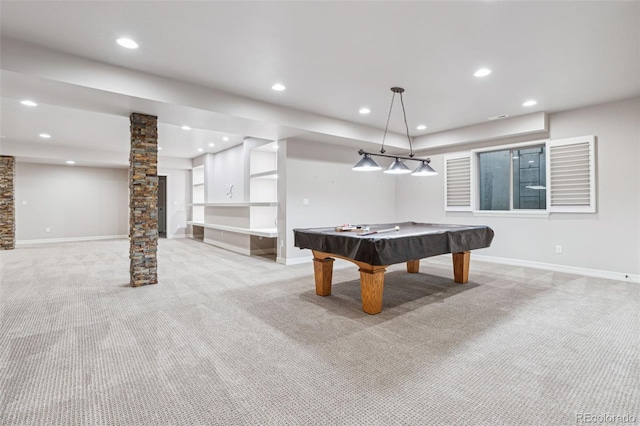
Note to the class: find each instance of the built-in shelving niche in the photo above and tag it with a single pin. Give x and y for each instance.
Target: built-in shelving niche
(246, 226)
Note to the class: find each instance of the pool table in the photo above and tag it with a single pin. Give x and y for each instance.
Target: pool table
(388, 244)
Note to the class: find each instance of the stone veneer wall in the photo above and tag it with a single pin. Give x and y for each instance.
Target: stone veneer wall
(143, 200)
(7, 203)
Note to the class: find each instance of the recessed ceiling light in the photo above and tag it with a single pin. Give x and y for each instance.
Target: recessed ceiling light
(27, 102)
(212, 144)
(71, 162)
(200, 149)
(530, 102)
(364, 110)
(275, 147)
(186, 128)
(225, 138)
(45, 135)
(482, 72)
(159, 148)
(127, 42)
(278, 87)
(421, 126)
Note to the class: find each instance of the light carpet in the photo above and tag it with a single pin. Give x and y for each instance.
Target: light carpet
(225, 339)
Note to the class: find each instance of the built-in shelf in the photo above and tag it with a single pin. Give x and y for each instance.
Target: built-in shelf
(271, 174)
(244, 224)
(254, 204)
(258, 232)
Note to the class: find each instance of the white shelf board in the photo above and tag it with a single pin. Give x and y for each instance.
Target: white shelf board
(254, 204)
(271, 174)
(264, 204)
(259, 232)
(198, 184)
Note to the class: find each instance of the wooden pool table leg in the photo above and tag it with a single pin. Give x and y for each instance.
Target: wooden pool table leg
(371, 288)
(413, 266)
(461, 266)
(371, 280)
(323, 271)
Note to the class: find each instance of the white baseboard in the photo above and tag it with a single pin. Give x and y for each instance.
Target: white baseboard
(294, 260)
(71, 239)
(620, 276)
(171, 237)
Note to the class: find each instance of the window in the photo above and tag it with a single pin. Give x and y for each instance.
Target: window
(512, 179)
(541, 176)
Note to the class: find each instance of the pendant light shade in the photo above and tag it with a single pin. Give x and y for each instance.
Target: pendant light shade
(398, 168)
(424, 170)
(366, 164)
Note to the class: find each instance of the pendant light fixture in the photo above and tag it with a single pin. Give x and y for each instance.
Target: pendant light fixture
(367, 163)
(424, 170)
(398, 168)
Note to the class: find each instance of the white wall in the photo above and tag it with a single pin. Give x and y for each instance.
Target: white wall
(608, 240)
(73, 201)
(84, 202)
(178, 200)
(228, 168)
(322, 174)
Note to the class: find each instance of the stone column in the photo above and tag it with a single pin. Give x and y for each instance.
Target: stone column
(143, 200)
(7, 203)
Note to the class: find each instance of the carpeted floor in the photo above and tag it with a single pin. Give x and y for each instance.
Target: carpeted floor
(231, 340)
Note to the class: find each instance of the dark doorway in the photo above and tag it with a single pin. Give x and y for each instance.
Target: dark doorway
(162, 206)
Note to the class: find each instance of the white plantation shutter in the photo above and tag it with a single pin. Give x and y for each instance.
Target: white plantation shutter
(457, 178)
(571, 175)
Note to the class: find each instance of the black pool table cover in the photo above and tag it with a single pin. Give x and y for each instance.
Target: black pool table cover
(411, 242)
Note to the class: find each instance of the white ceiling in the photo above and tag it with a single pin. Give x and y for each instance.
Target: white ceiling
(211, 65)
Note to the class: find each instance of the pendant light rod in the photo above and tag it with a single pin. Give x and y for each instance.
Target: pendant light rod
(363, 152)
(404, 113)
(386, 127)
(395, 90)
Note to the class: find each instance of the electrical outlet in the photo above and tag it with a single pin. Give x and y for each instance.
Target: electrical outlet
(305, 201)
(47, 229)
(558, 249)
